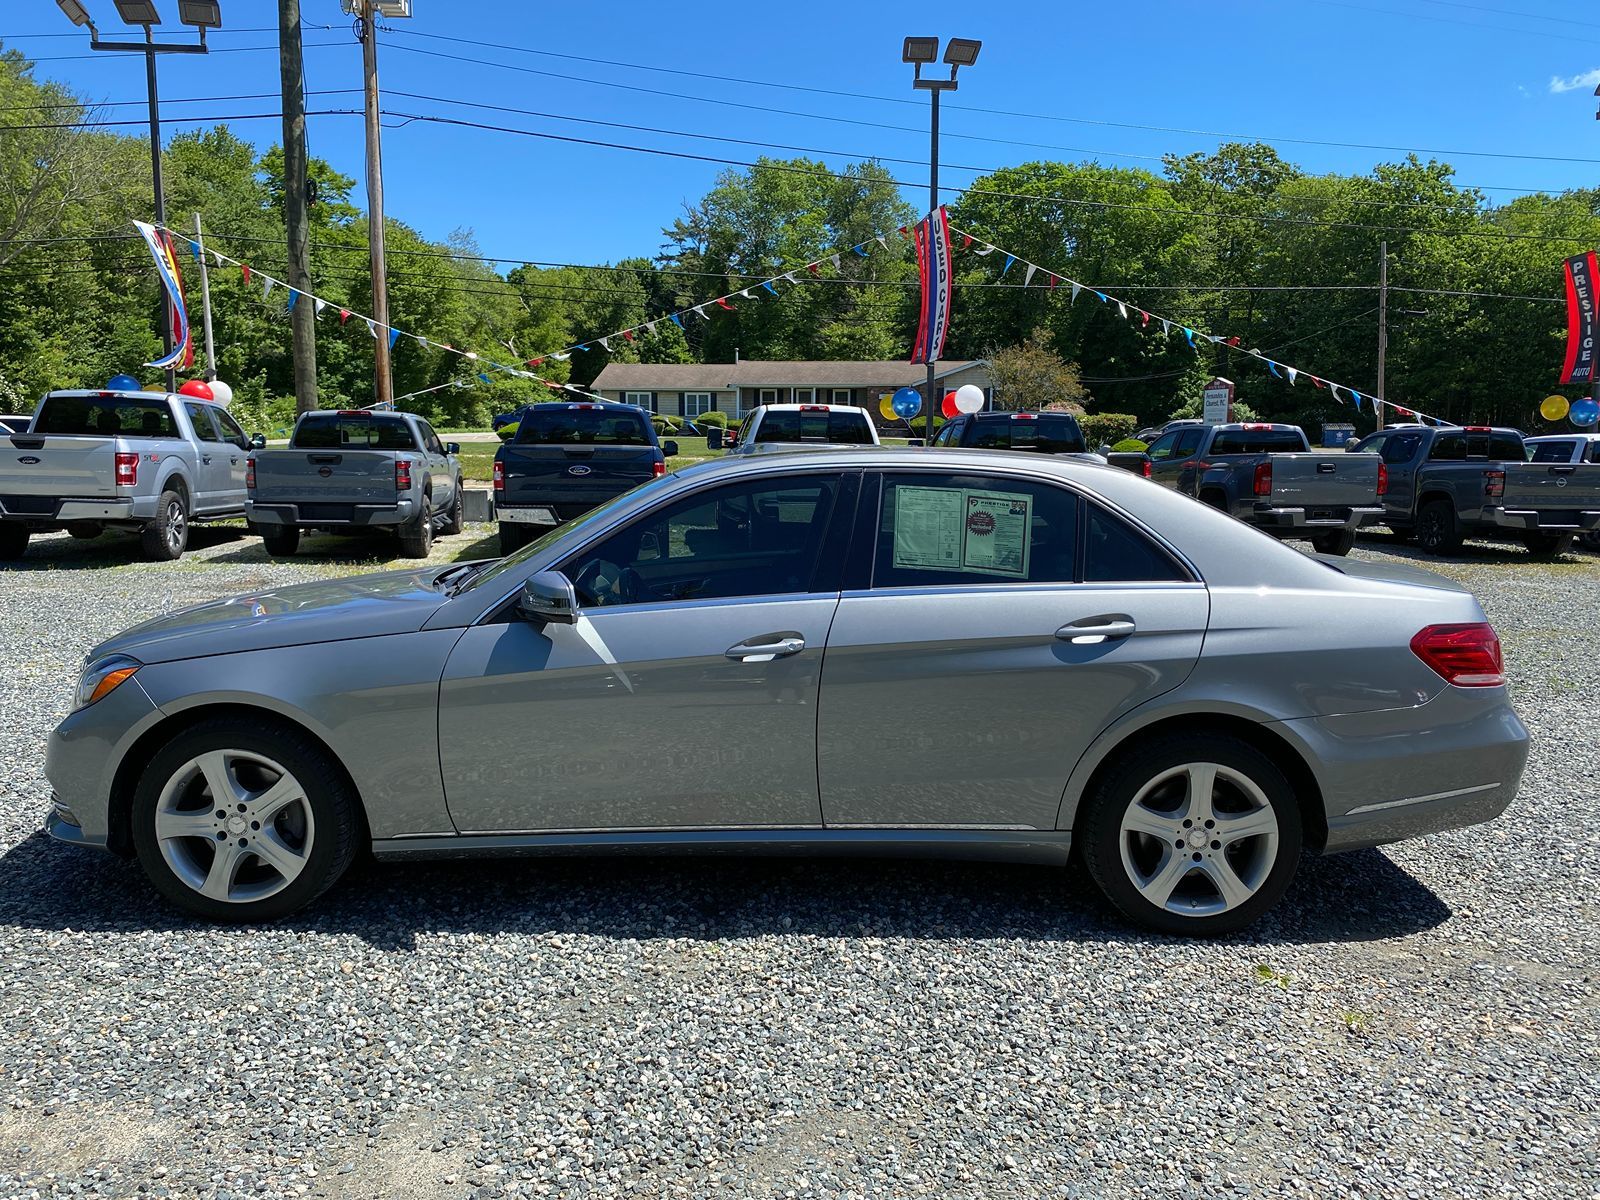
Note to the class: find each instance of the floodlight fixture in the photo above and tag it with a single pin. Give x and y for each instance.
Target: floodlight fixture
(76, 13)
(393, 8)
(202, 14)
(920, 50)
(961, 52)
(138, 12)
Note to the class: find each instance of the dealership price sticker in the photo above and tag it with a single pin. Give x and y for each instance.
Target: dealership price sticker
(927, 528)
(995, 533)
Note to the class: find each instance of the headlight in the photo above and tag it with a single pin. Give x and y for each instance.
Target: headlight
(104, 676)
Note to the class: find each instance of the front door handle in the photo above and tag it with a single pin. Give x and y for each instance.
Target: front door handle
(766, 647)
(1091, 631)
(206, 459)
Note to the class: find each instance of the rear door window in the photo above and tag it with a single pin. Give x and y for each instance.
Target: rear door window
(204, 427)
(106, 416)
(347, 431)
(1552, 452)
(582, 425)
(1188, 442)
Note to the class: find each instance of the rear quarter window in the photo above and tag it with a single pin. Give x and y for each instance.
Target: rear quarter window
(1551, 452)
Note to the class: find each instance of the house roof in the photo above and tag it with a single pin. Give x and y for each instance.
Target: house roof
(721, 377)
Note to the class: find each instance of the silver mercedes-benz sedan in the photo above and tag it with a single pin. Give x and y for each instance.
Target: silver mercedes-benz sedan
(971, 653)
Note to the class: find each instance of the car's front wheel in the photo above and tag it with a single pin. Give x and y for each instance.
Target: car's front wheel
(1437, 531)
(234, 820)
(1340, 542)
(1193, 835)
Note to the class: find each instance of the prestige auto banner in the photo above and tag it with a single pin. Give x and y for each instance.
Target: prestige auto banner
(1582, 275)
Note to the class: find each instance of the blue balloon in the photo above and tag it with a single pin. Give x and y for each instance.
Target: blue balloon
(907, 402)
(124, 383)
(1583, 412)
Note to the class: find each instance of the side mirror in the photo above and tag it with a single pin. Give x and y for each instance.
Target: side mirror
(670, 449)
(915, 442)
(549, 598)
(258, 441)
(452, 447)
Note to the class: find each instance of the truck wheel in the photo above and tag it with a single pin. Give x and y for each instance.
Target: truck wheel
(458, 512)
(512, 538)
(165, 538)
(13, 541)
(1590, 539)
(1339, 543)
(1547, 545)
(282, 541)
(85, 531)
(1217, 500)
(1436, 528)
(416, 536)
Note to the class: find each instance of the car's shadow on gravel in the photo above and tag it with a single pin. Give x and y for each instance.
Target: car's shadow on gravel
(114, 548)
(1476, 553)
(1354, 897)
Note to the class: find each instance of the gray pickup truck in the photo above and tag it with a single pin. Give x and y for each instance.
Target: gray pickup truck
(1448, 483)
(144, 461)
(1268, 476)
(351, 470)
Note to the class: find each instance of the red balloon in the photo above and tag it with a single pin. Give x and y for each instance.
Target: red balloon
(948, 408)
(201, 390)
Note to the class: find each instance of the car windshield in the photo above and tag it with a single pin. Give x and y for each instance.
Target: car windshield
(1256, 441)
(106, 416)
(582, 425)
(822, 425)
(1046, 434)
(342, 431)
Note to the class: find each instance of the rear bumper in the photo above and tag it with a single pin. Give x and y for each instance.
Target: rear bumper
(322, 515)
(529, 512)
(53, 511)
(1543, 520)
(1310, 518)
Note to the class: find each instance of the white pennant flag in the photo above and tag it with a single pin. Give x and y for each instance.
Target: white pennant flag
(321, 304)
(1333, 390)
(470, 354)
(700, 311)
(1123, 309)
(267, 289)
(1291, 373)
(987, 249)
(216, 258)
(789, 275)
(561, 357)
(1076, 288)
(650, 327)
(1166, 325)
(880, 240)
(835, 260)
(746, 294)
(1028, 278)
(372, 326)
(1216, 339)
(606, 342)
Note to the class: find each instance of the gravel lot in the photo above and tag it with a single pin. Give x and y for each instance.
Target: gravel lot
(1421, 1021)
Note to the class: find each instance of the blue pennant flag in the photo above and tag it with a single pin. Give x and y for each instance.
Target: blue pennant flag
(1189, 333)
(581, 346)
(1103, 297)
(194, 248)
(676, 321)
(484, 377)
(861, 249)
(1273, 367)
(293, 297)
(768, 285)
(394, 336)
(1356, 396)
(1010, 258)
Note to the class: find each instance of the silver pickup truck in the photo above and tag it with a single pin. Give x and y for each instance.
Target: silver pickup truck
(146, 461)
(354, 469)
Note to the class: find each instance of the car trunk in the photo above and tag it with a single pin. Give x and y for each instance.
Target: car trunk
(1556, 491)
(573, 474)
(1336, 480)
(75, 467)
(326, 476)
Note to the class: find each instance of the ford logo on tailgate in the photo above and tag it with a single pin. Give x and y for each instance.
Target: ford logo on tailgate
(325, 472)
(579, 470)
(28, 460)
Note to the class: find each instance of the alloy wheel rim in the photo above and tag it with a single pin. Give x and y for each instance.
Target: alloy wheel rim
(175, 524)
(1199, 839)
(234, 826)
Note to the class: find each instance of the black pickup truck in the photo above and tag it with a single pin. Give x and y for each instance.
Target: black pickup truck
(569, 458)
(1447, 483)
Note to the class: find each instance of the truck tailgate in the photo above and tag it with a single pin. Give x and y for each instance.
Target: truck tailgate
(62, 465)
(573, 474)
(1337, 480)
(1554, 488)
(326, 476)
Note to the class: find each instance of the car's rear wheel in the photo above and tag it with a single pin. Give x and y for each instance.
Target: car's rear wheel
(1437, 532)
(281, 541)
(1340, 542)
(234, 821)
(512, 537)
(1547, 545)
(458, 513)
(13, 541)
(1590, 539)
(416, 536)
(1193, 835)
(165, 538)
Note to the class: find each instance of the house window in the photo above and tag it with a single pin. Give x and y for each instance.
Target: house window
(768, 395)
(645, 400)
(841, 395)
(695, 403)
(805, 395)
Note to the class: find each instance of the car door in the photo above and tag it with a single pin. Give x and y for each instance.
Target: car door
(950, 433)
(1171, 452)
(238, 453)
(444, 482)
(994, 625)
(1399, 453)
(685, 696)
(214, 474)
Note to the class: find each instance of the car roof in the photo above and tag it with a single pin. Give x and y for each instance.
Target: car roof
(870, 457)
(809, 407)
(1564, 437)
(1021, 412)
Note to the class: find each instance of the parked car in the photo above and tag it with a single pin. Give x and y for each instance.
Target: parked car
(1268, 476)
(1041, 432)
(1448, 483)
(1188, 703)
(145, 461)
(785, 426)
(1151, 433)
(567, 458)
(1568, 448)
(354, 469)
(15, 424)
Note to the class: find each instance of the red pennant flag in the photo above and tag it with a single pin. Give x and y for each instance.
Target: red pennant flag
(1403, 412)
(1233, 341)
(903, 232)
(1145, 315)
(245, 267)
(722, 302)
(534, 362)
(812, 267)
(1317, 382)
(628, 333)
(1054, 279)
(966, 240)
(344, 315)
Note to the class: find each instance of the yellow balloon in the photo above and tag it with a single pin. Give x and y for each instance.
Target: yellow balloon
(1553, 408)
(886, 407)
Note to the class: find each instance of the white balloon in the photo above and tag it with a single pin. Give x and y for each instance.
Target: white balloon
(969, 398)
(221, 393)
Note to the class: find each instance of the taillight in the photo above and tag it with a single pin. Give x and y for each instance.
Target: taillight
(1263, 485)
(127, 469)
(1463, 655)
(1383, 480)
(1144, 468)
(658, 468)
(1494, 484)
(499, 476)
(250, 474)
(402, 474)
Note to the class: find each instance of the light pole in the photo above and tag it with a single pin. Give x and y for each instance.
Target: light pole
(958, 53)
(202, 15)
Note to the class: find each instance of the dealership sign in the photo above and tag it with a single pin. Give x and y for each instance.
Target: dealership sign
(1218, 402)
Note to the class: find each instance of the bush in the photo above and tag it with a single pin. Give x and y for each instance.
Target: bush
(1131, 446)
(719, 419)
(1099, 428)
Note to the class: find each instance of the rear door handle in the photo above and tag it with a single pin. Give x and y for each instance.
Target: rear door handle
(766, 646)
(1091, 631)
(1325, 468)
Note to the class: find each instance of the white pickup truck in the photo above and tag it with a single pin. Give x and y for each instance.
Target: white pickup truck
(146, 461)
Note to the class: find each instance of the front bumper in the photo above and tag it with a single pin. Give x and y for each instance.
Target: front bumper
(1532, 520)
(81, 760)
(1310, 519)
(324, 516)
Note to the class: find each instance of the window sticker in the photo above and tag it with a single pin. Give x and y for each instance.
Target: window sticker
(962, 529)
(997, 531)
(927, 528)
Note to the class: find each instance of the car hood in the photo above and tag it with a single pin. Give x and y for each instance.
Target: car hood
(1390, 572)
(333, 610)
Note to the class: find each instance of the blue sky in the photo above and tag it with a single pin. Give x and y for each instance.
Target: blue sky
(1447, 76)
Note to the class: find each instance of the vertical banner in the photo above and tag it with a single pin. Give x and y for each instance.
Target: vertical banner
(167, 267)
(1582, 274)
(933, 266)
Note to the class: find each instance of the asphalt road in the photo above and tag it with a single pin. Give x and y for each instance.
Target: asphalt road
(1420, 1021)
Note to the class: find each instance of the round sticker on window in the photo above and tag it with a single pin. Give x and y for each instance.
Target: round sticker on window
(980, 523)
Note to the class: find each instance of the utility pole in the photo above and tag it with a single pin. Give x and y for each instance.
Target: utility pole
(302, 319)
(1383, 323)
(205, 299)
(383, 381)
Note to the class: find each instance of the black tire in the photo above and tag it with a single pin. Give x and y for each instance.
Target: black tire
(166, 538)
(1340, 542)
(1548, 545)
(1437, 531)
(458, 513)
(1590, 539)
(14, 540)
(512, 538)
(334, 817)
(1217, 500)
(281, 541)
(85, 531)
(416, 535)
(1100, 833)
